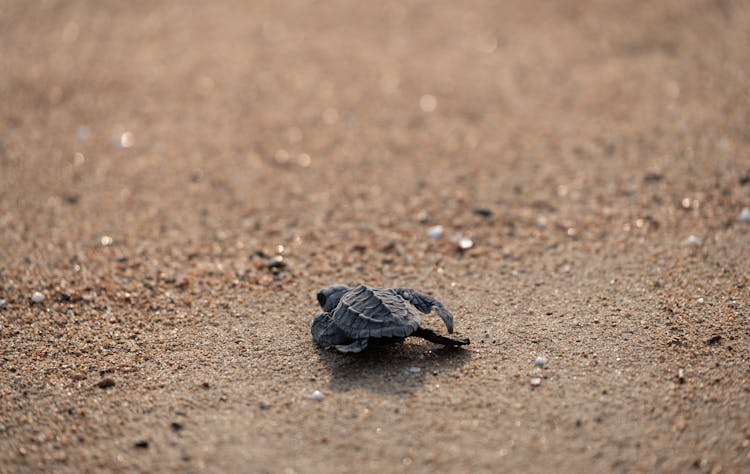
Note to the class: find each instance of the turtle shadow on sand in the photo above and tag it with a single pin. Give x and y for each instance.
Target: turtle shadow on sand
(392, 369)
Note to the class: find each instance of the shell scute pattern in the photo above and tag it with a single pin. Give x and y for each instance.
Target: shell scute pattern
(375, 312)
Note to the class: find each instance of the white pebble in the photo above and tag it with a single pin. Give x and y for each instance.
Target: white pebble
(3, 304)
(535, 382)
(37, 297)
(465, 243)
(414, 370)
(693, 240)
(541, 361)
(745, 215)
(435, 232)
(316, 396)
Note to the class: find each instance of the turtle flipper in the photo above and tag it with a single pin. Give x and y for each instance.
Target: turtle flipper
(357, 346)
(425, 304)
(438, 339)
(326, 333)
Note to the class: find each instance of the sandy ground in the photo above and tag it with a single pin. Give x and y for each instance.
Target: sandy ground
(154, 157)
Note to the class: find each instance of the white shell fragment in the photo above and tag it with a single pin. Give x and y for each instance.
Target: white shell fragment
(37, 297)
(541, 361)
(316, 396)
(435, 232)
(464, 243)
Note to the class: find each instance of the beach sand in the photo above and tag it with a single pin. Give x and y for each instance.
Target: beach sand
(155, 158)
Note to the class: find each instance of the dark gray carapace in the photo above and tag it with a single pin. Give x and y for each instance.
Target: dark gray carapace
(353, 316)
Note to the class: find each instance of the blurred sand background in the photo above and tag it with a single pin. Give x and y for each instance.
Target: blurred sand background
(154, 156)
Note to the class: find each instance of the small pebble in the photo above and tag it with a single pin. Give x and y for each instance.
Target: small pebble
(276, 262)
(464, 243)
(744, 215)
(37, 297)
(3, 304)
(541, 361)
(681, 376)
(106, 383)
(541, 221)
(435, 232)
(693, 240)
(143, 444)
(176, 426)
(414, 370)
(316, 396)
(535, 382)
(483, 211)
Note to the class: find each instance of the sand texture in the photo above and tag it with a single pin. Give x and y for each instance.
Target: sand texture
(179, 179)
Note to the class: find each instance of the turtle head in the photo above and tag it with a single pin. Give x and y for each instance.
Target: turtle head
(329, 297)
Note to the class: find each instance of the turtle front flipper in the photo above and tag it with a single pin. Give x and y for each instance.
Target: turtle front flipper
(357, 346)
(425, 304)
(326, 333)
(438, 339)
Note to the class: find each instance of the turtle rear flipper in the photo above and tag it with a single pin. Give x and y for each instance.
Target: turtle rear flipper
(438, 339)
(425, 304)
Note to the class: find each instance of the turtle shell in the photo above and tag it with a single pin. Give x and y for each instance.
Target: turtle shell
(375, 312)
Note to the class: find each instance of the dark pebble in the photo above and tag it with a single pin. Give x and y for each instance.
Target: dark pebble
(176, 427)
(653, 177)
(142, 444)
(483, 211)
(713, 340)
(264, 406)
(106, 383)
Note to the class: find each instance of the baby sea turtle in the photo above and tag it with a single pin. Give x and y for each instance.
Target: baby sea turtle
(353, 316)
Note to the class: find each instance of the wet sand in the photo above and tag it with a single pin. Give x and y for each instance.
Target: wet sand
(154, 158)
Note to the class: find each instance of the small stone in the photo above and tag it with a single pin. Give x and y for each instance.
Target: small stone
(276, 262)
(681, 376)
(127, 139)
(142, 444)
(535, 382)
(176, 426)
(37, 297)
(693, 240)
(714, 340)
(483, 212)
(435, 232)
(106, 383)
(106, 241)
(541, 361)
(464, 243)
(264, 406)
(541, 221)
(414, 370)
(653, 177)
(744, 215)
(3, 304)
(316, 396)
